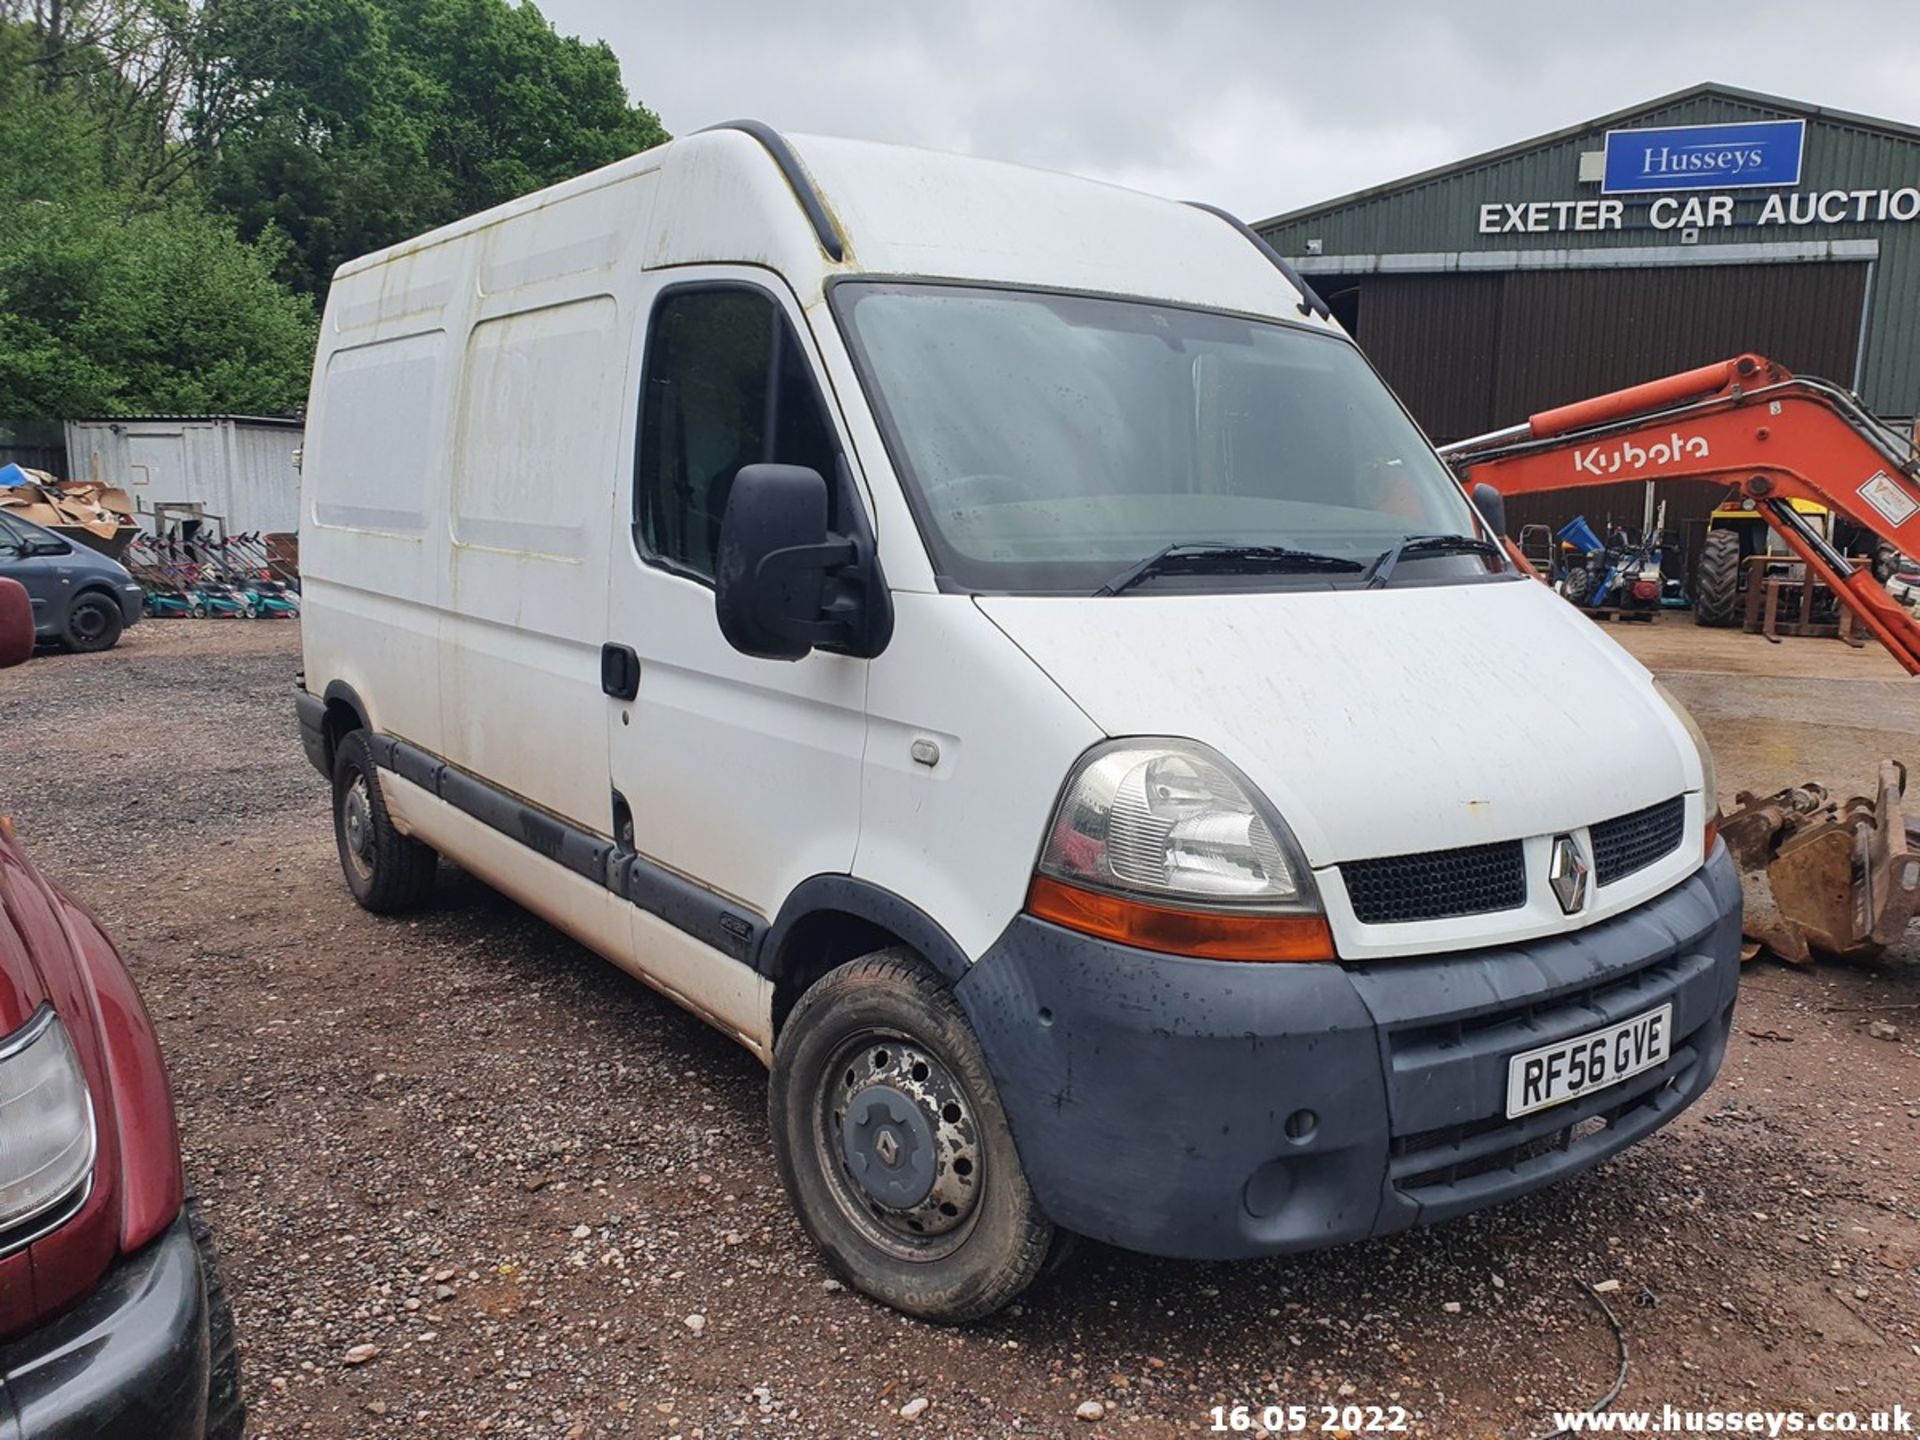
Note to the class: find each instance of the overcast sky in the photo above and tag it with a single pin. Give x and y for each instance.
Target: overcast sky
(1258, 105)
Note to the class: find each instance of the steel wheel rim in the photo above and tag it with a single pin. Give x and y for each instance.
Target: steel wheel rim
(89, 622)
(356, 826)
(924, 1168)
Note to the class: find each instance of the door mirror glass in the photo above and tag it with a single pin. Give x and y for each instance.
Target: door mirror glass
(16, 623)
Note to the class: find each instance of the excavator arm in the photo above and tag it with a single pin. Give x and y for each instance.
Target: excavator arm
(1771, 437)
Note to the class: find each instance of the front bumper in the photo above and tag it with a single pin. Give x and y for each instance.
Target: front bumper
(1214, 1110)
(132, 604)
(129, 1363)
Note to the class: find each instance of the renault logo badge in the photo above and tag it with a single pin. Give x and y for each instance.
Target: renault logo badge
(1568, 874)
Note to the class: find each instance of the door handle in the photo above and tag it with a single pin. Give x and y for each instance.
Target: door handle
(619, 671)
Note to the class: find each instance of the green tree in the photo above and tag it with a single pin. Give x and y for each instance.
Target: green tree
(180, 178)
(372, 120)
(117, 299)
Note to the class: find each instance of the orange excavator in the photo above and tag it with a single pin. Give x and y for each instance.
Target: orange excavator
(1834, 877)
(1770, 436)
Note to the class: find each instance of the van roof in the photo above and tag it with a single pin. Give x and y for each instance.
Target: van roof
(901, 211)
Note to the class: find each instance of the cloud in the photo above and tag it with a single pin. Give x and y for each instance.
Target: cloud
(1255, 104)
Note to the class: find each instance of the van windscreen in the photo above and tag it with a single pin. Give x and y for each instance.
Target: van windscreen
(1047, 441)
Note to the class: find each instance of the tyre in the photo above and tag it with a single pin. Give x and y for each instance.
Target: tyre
(226, 1411)
(1716, 582)
(1577, 585)
(387, 872)
(93, 624)
(893, 1148)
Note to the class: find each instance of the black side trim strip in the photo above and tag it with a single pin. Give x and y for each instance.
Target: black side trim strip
(685, 905)
(1310, 301)
(775, 144)
(709, 918)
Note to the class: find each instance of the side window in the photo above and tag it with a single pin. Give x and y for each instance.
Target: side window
(12, 539)
(726, 386)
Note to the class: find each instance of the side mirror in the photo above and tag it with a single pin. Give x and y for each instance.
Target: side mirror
(16, 623)
(783, 583)
(1492, 507)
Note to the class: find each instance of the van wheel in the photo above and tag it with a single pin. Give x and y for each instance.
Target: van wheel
(93, 624)
(893, 1147)
(387, 872)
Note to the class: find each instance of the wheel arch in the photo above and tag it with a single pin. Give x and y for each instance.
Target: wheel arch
(830, 919)
(344, 713)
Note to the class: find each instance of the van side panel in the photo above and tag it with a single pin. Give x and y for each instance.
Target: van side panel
(527, 570)
(370, 552)
(959, 837)
(460, 471)
(533, 463)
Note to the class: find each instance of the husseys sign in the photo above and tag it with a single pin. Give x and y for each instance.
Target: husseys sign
(1679, 178)
(1704, 157)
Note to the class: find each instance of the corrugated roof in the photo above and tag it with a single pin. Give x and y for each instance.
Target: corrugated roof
(285, 422)
(1602, 122)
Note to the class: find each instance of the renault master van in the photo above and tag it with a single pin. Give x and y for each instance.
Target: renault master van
(988, 642)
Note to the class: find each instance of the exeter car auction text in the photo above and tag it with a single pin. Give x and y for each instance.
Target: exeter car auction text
(1669, 212)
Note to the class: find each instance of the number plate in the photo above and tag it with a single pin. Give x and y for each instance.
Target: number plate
(1555, 1074)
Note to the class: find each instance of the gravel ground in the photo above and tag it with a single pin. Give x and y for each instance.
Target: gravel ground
(520, 1176)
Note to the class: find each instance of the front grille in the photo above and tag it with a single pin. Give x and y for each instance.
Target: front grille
(1632, 842)
(1474, 880)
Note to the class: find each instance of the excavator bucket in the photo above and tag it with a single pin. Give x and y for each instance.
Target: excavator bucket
(1820, 877)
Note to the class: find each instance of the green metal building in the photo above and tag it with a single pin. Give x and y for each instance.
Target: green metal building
(1694, 227)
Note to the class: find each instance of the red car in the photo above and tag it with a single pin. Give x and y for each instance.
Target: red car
(113, 1322)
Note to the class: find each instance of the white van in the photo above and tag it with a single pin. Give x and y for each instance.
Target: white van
(988, 642)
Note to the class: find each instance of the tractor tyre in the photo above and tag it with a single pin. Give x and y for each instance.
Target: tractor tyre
(1716, 583)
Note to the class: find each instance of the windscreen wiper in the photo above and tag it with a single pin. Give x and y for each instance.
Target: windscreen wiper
(1200, 557)
(1381, 570)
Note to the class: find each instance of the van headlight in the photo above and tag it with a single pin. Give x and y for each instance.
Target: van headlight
(46, 1127)
(1163, 845)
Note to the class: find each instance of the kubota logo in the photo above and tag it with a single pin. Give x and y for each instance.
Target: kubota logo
(1627, 458)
